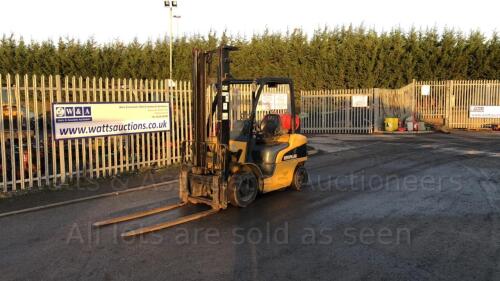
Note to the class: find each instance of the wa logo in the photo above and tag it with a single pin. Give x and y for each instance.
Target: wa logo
(73, 111)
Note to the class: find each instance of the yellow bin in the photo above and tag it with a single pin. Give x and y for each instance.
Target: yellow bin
(391, 124)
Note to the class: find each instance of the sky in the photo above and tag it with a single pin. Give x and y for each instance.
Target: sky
(109, 20)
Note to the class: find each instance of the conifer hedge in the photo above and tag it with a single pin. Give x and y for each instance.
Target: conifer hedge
(343, 57)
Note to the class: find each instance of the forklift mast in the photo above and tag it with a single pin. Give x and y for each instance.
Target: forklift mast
(199, 101)
(202, 77)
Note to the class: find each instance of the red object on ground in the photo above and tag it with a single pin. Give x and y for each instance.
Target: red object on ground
(286, 121)
(401, 126)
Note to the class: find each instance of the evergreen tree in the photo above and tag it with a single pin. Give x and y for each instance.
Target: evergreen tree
(342, 57)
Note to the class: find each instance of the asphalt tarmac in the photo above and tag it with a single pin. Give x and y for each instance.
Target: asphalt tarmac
(379, 207)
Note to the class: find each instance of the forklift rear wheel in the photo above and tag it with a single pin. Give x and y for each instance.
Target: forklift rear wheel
(300, 178)
(243, 189)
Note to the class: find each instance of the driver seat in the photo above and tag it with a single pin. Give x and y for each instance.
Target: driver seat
(267, 147)
(270, 127)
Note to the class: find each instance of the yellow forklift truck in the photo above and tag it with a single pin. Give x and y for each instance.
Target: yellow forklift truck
(233, 155)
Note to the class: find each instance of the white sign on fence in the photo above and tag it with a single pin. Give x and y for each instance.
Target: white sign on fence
(479, 111)
(426, 90)
(273, 101)
(83, 120)
(359, 101)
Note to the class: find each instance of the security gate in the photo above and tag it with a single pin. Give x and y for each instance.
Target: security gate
(449, 102)
(338, 111)
(440, 103)
(466, 94)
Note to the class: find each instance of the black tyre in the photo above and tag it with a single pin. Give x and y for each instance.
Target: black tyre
(243, 189)
(300, 178)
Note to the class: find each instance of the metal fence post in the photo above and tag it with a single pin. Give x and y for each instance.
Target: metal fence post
(323, 111)
(448, 114)
(376, 110)
(62, 162)
(413, 97)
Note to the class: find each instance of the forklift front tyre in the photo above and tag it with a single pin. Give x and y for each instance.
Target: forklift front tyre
(300, 178)
(243, 189)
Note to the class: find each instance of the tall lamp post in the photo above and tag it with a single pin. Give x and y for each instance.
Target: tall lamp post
(171, 4)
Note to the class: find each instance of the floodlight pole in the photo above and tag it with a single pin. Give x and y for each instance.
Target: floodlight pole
(170, 4)
(171, 51)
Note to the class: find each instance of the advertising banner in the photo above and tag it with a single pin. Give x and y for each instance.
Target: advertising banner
(85, 120)
(480, 111)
